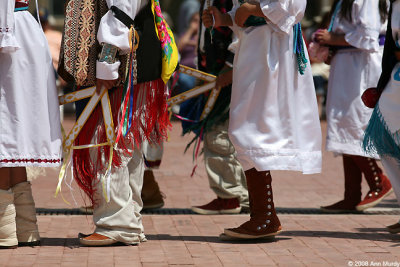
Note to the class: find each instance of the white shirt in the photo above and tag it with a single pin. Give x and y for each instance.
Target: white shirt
(363, 30)
(282, 14)
(114, 32)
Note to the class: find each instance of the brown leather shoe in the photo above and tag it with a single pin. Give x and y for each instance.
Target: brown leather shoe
(219, 206)
(374, 197)
(263, 219)
(394, 228)
(379, 184)
(96, 240)
(151, 195)
(352, 188)
(254, 230)
(343, 206)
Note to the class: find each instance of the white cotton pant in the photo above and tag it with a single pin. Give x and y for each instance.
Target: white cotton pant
(225, 174)
(120, 218)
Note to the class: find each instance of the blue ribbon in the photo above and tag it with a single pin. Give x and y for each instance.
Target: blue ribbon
(20, 9)
(298, 48)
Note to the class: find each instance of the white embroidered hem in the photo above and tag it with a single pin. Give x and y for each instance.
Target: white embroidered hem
(347, 148)
(288, 160)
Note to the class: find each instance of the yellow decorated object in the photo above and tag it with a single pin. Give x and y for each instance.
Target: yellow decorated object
(170, 54)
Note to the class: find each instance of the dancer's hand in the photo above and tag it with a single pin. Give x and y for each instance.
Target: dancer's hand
(323, 37)
(108, 84)
(212, 17)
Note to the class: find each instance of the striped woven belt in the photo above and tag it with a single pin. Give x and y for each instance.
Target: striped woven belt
(20, 6)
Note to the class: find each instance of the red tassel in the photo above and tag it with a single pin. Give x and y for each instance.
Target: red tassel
(150, 122)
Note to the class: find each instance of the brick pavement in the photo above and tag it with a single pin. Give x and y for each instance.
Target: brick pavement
(192, 240)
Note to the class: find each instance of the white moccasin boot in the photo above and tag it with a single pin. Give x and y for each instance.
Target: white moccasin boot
(8, 232)
(27, 229)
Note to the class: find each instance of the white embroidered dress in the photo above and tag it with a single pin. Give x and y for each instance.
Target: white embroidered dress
(353, 71)
(30, 132)
(389, 103)
(274, 122)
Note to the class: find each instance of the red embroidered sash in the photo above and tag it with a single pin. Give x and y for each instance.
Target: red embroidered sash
(21, 3)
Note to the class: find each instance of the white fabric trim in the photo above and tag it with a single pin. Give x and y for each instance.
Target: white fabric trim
(348, 147)
(107, 71)
(363, 38)
(283, 13)
(289, 160)
(8, 42)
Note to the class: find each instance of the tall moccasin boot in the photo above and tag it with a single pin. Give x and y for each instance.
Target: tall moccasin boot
(352, 188)
(8, 229)
(379, 185)
(263, 219)
(27, 229)
(151, 195)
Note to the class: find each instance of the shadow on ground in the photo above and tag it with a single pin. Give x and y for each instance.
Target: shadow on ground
(59, 242)
(211, 239)
(371, 234)
(374, 234)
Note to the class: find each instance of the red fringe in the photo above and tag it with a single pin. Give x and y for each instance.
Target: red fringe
(150, 123)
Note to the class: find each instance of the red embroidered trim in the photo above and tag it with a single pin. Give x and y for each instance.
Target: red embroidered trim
(30, 160)
(21, 4)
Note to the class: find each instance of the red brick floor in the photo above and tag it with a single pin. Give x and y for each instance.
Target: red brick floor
(192, 240)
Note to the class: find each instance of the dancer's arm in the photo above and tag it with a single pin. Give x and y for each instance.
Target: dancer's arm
(112, 34)
(325, 37)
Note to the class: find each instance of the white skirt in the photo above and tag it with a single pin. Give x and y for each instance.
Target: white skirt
(274, 123)
(352, 72)
(30, 129)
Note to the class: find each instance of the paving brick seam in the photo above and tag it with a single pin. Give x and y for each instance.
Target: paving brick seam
(169, 211)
